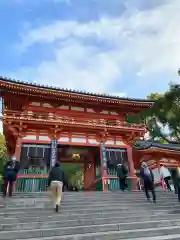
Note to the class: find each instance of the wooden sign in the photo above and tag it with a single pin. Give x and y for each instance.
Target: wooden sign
(103, 154)
(53, 152)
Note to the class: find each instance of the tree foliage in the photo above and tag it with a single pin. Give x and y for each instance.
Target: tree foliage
(163, 119)
(3, 152)
(155, 96)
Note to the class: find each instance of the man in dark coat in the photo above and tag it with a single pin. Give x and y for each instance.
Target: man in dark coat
(56, 181)
(148, 179)
(10, 172)
(176, 181)
(122, 173)
(174, 176)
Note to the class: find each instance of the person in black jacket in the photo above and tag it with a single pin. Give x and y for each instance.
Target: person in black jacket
(148, 178)
(10, 172)
(56, 181)
(176, 181)
(122, 173)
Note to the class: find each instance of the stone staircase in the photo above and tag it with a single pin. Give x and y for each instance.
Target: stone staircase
(90, 216)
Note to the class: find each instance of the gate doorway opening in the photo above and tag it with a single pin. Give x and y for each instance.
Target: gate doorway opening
(80, 164)
(75, 175)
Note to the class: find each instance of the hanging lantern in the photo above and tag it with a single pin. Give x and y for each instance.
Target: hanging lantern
(76, 156)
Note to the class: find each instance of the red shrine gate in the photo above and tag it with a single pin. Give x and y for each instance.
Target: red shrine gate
(39, 115)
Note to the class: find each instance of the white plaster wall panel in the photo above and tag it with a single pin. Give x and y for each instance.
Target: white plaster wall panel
(104, 112)
(63, 139)
(47, 105)
(77, 109)
(30, 113)
(120, 143)
(44, 138)
(51, 115)
(93, 141)
(118, 122)
(30, 137)
(114, 113)
(90, 110)
(110, 142)
(172, 161)
(64, 107)
(35, 104)
(78, 140)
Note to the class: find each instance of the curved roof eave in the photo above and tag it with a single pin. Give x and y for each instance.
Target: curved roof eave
(75, 92)
(144, 145)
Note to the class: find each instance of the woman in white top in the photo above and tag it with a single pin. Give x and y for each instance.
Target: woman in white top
(166, 175)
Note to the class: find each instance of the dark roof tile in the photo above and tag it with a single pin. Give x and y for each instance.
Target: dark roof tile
(30, 84)
(150, 144)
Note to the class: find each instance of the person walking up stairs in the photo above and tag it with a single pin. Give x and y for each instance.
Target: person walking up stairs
(56, 181)
(148, 178)
(165, 175)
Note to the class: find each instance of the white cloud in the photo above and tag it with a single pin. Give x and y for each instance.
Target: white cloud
(77, 67)
(118, 94)
(148, 40)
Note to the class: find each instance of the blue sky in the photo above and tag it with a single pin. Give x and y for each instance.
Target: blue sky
(123, 47)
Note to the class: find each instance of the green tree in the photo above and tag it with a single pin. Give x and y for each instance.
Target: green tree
(163, 119)
(3, 152)
(155, 96)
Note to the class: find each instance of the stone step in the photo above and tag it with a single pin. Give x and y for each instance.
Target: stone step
(123, 228)
(84, 205)
(138, 234)
(50, 216)
(82, 198)
(55, 223)
(174, 236)
(101, 211)
(90, 194)
(169, 237)
(89, 210)
(90, 216)
(86, 199)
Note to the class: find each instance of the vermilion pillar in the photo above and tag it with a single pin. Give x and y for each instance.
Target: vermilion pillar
(17, 152)
(132, 175)
(158, 162)
(89, 173)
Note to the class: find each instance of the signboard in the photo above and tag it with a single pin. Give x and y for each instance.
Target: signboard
(104, 159)
(53, 152)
